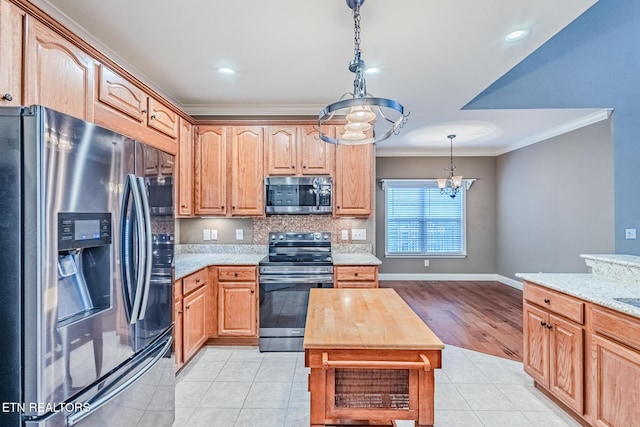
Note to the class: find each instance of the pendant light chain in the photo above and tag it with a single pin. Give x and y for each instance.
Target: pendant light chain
(356, 32)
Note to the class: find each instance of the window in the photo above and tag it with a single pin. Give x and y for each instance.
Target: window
(420, 221)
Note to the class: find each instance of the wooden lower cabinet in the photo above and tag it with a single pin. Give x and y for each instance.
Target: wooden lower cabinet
(237, 301)
(194, 322)
(178, 321)
(355, 276)
(590, 363)
(615, 369)
(554, 352)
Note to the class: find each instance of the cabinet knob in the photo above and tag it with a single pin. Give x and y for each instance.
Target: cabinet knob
(253, 291)
(235, 274)
(304, 166)
(542, 323)
(7, 97)
(183, 206)
(547, 301)
(355, 274)
(188, 307)
(153, 116)
(197, 280)
(549, 327)
(233, 207)
(143, 111)
(179, 311)
(221, 207)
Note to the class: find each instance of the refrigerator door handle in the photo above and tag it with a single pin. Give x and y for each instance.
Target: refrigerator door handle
(125, 255)
(102, 398)
(142, 249)
(148, 242)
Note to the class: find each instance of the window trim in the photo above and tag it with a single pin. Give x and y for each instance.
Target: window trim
(431, 182)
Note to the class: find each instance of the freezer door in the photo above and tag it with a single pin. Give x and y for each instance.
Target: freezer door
(154, 169)
(75, 324)
(139, 393)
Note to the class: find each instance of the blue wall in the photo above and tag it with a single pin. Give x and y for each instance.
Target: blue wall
(592, 63)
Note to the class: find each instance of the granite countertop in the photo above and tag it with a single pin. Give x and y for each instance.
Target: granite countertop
(355, 259)
(187, 263)
(589, 287)
(190, 258)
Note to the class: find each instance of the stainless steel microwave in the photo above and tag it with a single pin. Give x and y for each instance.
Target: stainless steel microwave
(298, 195)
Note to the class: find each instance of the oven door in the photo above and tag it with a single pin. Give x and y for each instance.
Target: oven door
(283, 311)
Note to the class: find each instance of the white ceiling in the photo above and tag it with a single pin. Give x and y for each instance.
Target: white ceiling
(291, 58)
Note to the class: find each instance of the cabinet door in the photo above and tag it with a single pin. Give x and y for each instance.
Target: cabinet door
(184, 170)
(211, 170)
(354, 180)
(316, 156)
(247, 173)
(237, 309)
(566, 352)
(162, 118)
(12, 29)
(177, 333)
(280, 151)
(617, 387)
(122, 95)
(536, 344)
(194, 323)
(58, 74)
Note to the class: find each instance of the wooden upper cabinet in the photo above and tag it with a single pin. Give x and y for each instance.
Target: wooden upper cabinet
(280, 151)
(297, 150)
(162, 118)
(210, 162)
(121, 94)
(316, 156)
(184, 170)
(12, 30)
(353, 185)
(247, 172)
(58, 74)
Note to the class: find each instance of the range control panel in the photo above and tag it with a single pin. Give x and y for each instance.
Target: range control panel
(83, 230)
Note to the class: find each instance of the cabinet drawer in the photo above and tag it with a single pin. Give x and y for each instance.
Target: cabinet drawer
(356, 273)
(357, 284)
(236, 274)
(616, 325)
(555, 302)
(194, 281)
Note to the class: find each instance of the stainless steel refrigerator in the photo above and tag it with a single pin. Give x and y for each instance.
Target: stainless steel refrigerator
(86, 257)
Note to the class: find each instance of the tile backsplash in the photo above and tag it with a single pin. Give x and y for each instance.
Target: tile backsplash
(256, 230)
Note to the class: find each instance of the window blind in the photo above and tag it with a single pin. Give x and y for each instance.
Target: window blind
(422, 221)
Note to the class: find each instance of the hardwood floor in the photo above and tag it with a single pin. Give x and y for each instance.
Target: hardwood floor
(480, 316)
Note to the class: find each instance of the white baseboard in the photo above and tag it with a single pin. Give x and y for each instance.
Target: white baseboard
(479, 277)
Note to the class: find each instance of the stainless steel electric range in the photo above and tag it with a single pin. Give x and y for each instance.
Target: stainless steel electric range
(296, 263)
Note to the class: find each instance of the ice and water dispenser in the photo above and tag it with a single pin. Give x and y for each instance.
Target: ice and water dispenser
(84, 265)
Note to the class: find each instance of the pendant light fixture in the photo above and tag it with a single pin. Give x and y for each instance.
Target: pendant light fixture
(360, 118)
(451, 184)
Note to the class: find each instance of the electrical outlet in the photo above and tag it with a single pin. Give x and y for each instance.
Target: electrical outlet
(239, 234)
(214, 234)
(345, 234)
(630, 233)
(359, 234)
(426, 263)
(206, 234)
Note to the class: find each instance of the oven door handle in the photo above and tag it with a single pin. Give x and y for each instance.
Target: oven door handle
(296, 279)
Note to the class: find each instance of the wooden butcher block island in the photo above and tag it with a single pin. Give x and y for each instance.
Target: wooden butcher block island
(371, 358)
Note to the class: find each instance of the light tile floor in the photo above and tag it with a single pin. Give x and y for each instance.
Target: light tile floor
(239, 386)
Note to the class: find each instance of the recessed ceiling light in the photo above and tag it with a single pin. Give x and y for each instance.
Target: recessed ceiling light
(517, 35)
(226, 71)
(372, 71)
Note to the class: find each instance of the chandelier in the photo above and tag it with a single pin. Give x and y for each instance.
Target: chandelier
(361, 118)
(451, 184)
